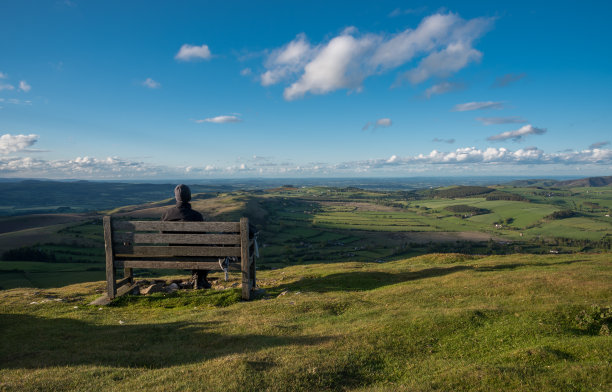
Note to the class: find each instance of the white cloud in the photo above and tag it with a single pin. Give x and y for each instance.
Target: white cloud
(599, 145)
(443, 63)
(438, 140)
(246, 72)
(442, 88)
(80, 167)
(193, 52)
(464, 107)
(505, 80)
(15, 101)
(460, 160)
(24, 86)
(3, 75)
(287, 60)
(6, 87)
(445, 41)
(380, 123)
(150, 83)
(384, 122)
(489, 156)
(500, 120)
(519, 134)
(399, 12)
(220, 120)
(16, 143)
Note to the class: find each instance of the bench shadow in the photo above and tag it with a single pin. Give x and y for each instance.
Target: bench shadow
(38, 342)
(512, 266)
(367, 280)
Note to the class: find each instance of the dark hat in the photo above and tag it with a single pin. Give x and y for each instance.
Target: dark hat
(182, 193)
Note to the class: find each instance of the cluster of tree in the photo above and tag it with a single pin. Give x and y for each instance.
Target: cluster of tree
(462, 209)
(28, 253)
(563, 214)
(499, 195)
(461, 191)
(583, 244)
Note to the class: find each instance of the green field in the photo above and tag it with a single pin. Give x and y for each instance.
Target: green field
(429, 323)
(318, 224)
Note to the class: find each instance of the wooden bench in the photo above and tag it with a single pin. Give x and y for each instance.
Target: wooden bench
(175, 245)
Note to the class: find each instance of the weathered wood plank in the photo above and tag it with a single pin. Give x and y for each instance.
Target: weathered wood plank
(187, 265)
(111, 287)
(244, 258)
(172, 251)
(211, 227)
(123, 281)
(125, 289)
(173, 238)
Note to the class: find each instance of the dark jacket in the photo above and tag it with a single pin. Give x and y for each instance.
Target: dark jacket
(182, 212)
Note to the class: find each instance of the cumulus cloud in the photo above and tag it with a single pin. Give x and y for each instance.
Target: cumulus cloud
(380, 123)
(464, 107)
(460, 160)
(408, 11)
(287, 60)
(80, 167)
(150, 83)
(443, 63)
(4, 86)
(443, 88)
(193, 52)
(3, 75)
(438, 140)
(16, 143)
(443, 41)
(24, 86)
(246, 72)
(220, 120)
(475, 156)
(599, 145)
(519, 134)
(500, 120)
(507, 79)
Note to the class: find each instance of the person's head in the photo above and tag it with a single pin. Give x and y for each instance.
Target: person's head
(182, 193)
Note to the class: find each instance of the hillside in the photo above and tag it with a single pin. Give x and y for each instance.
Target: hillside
(581, 182)
(586, 182)
(435, 322)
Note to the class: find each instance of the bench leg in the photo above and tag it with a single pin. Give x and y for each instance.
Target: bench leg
(252, 271)
(111, 282)
(129, 273)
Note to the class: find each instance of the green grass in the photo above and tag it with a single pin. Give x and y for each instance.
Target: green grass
(45, 275)
(435, 322)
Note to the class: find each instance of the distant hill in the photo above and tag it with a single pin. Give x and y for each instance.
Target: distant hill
(581, 182)
(587, 182)
(534, 182)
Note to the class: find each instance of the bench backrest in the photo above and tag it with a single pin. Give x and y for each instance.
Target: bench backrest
(175, 239)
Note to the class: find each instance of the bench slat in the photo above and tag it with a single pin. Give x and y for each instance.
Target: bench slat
(171, 251)
(188, 265)
(214, 227)
(165, 238)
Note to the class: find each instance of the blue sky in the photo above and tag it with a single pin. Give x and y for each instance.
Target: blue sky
(127, 89)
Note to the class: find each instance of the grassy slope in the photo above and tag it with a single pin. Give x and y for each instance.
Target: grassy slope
(435, 322)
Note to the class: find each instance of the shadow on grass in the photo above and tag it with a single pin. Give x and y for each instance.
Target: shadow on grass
(369, 280)
(35, 342)
(361, 280)
(513, 266)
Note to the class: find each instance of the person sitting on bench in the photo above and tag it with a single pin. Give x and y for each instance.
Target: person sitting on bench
(183, 212)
